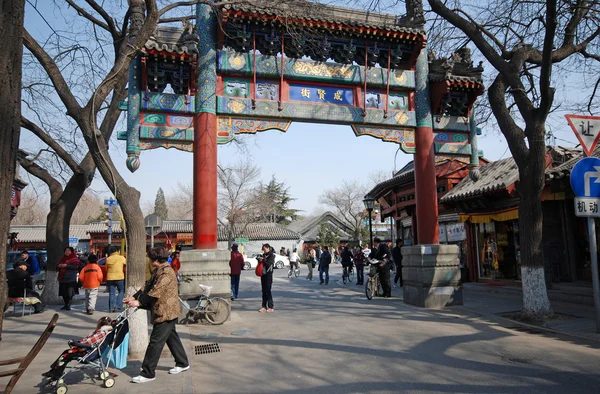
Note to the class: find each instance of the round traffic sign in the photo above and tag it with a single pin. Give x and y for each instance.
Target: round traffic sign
(585, 177)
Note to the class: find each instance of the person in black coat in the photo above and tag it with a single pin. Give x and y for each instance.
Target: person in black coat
(397, 255)
(382, 252)
(19, 283)
(266, 280)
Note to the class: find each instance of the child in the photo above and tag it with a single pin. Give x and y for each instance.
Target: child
(91, 277)
(58, 367)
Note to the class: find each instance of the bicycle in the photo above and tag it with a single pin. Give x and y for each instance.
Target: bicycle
(373, 286)
(348, 274)
(215, 310)
(294, 270)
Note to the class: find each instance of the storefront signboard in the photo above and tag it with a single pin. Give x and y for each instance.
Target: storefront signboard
(456, 232)
(443, 237)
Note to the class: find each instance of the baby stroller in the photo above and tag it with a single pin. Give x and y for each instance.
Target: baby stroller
(92, 356)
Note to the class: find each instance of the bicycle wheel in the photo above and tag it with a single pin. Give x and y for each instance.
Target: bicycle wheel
(217, 311)
(368, 289)
(379, 288)
(351, 276)
(297, 272)
(344, 276)
(290, 273)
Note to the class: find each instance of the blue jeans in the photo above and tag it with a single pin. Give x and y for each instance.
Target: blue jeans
(325, 270)
(112, 286)
(235, 285)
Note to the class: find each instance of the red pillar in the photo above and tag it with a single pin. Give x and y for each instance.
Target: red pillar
(205, 181)
(426, 188)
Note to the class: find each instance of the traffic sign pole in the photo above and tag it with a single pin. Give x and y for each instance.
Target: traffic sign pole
(591, 222)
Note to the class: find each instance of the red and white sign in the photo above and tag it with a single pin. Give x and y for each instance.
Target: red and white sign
(586, 129)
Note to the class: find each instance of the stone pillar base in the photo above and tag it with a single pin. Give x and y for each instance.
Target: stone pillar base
(431, 276)
(208, 267)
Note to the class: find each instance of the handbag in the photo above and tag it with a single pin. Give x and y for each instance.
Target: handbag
(117, 357)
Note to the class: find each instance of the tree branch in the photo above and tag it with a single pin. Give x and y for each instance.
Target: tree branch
(55, 187)
(48, 140)
(81, 11)
(513, 133)
(49, 65)
(546, 91)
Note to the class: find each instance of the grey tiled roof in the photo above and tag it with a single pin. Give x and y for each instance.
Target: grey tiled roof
(492, 177)
(564, 170)
(318, 12)
(37, 233)
(173, 40)
(308, 228)
(254, 231)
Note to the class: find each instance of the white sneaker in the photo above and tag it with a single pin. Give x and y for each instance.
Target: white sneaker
(141, 379)
(176, 370)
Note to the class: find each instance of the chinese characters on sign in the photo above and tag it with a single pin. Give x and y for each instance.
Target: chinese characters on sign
(587, 207)
(321, 94)
(456, 232)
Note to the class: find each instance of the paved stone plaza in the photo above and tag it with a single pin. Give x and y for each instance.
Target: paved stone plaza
(330, 339)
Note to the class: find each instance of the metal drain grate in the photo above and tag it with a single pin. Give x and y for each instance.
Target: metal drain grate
(208, 348)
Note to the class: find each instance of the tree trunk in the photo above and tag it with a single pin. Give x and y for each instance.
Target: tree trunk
(58, 223)
(11, 47)
(129, 200)
(531, 184)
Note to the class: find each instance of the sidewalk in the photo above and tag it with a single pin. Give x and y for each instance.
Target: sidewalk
(577, 320)
(20, 334)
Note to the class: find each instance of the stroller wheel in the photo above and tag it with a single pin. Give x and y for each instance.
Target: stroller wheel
(108, 383)
(62, 389)
(104, 375)
(60, 381)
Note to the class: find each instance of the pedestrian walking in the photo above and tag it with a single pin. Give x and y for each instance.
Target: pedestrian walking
(382, 253)
(310, 262)
(324, 262)
(115, 279)
(397, 255)
(161, 296)
(294, 260)
(266, 280)
(236, 264)
(359, 262)
(91, 277)
(67, 277)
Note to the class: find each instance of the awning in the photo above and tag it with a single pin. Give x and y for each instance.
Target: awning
(487, 217)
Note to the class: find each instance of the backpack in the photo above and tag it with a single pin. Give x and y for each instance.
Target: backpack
(259, 268)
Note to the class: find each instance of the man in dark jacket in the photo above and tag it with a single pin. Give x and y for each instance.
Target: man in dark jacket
(324, 262)
(382, 253)
(19, 284)
(266, 280)
(397, 255)
(33, 266)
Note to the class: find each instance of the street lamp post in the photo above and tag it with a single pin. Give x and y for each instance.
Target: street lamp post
(369, 205)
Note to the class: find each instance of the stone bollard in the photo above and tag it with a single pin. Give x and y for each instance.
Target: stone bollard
(431, 276)
(204, 267)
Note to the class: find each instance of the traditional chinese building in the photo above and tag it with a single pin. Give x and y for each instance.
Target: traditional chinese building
(489, 209)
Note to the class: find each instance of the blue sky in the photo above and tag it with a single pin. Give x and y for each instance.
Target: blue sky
(308, 157)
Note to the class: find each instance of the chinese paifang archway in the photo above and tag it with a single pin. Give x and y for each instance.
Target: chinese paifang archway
(342, 66)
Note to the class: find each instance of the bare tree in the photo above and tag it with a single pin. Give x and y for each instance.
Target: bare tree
(11, 23)
(347, 202)
(33, 210)
(523, 41)
(181, 201)
(237, 184)
(90, 207)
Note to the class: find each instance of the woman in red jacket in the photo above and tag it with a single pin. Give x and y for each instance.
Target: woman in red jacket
(67, 277)
(236, 264)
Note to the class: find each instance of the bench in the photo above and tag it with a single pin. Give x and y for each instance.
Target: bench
(25, 361)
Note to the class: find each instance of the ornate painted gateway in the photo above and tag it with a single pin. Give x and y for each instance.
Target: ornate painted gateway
(249, 68)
